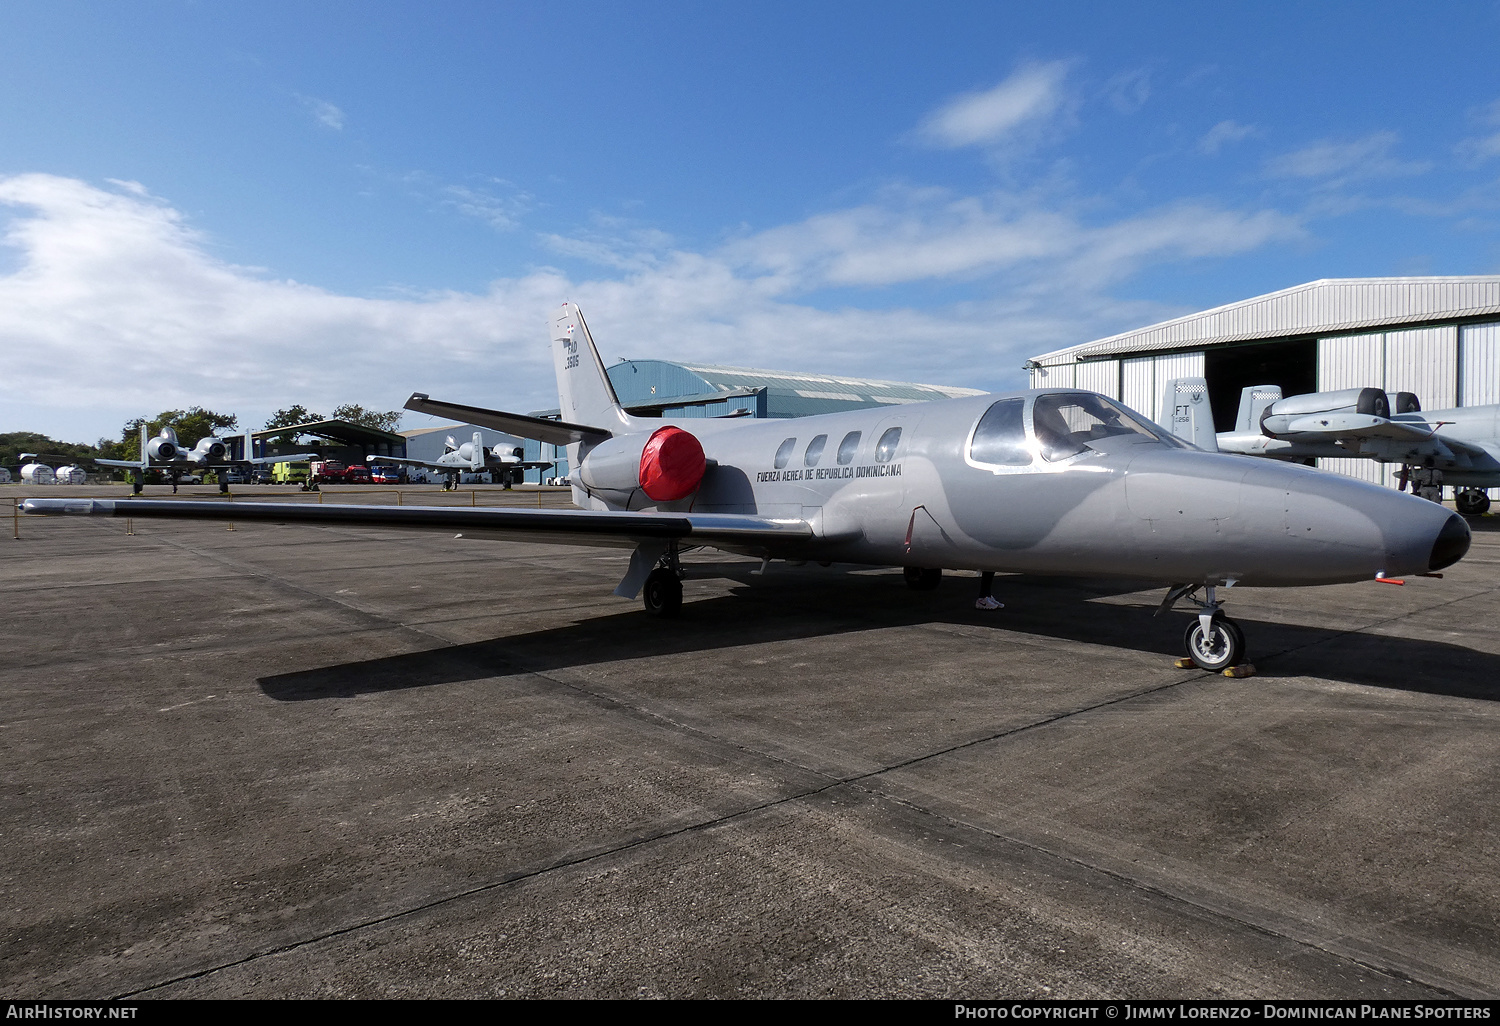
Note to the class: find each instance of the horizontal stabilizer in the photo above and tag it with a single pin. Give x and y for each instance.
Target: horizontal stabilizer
(555, 432)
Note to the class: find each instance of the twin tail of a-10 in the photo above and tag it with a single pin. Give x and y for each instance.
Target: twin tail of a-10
(1041, 481)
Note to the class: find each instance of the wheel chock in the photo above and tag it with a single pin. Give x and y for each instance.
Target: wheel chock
(1184, 663)
(1242, 670)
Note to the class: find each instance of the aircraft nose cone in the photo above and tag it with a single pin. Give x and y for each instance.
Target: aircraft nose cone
(1452, 543)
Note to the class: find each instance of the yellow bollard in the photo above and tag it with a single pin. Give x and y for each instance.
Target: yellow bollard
(474, 498)
(398, 498)
(15, 513)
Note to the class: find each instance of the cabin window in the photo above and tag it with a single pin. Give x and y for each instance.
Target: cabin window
(1000, 438)
(784, 453)
(848, 447)
(886, 447)
(814, 451)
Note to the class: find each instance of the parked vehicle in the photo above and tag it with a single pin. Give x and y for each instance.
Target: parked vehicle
(334, 472)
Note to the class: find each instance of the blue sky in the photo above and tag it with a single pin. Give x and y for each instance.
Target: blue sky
(248, 205)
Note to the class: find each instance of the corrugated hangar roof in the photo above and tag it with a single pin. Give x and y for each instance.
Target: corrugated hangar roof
(1324, 307)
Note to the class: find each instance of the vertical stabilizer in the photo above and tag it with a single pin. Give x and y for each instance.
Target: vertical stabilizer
(1253, 402)
(1187, 413)
(145, 441)
(476, 453)
(583, 388)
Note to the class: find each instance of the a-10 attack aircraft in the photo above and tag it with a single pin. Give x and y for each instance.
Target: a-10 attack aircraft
(1042, 481)
(1459, 447)
(166, 454)
(508, 465)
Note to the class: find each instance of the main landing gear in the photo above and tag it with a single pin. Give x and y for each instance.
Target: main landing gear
(922, 579)
(1472, 502)
(1213, 641)
(662, 592)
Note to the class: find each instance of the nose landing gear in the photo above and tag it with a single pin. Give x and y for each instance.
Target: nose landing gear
(1213, 641)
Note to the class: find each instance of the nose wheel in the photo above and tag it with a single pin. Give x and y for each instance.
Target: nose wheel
(1217, 646)
(1213, 641)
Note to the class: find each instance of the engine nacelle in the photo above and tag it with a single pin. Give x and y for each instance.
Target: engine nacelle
(1369, 402)
(213, 451)
(163, 446)
(667, 466)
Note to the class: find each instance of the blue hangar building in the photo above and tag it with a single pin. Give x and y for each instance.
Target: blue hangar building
(659, 388)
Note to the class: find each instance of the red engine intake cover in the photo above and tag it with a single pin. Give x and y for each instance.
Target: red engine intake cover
(672, 464)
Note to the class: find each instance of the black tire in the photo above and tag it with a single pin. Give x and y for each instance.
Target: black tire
(662, 594)
(1222, 648)
(1472, 502)
(922, 579)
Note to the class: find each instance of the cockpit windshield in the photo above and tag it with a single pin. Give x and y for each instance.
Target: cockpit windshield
(1067, 423)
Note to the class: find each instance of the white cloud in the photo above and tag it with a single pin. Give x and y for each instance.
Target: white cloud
(1340, 162)
(932, 236)
(1224, 132)
(1032, 94)
(1477, 149)
(1128, 91)
(323, 112)
(501, 211)
(116, 308)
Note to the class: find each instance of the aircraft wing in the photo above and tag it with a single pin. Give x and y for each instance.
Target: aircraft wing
(557, 432)
(496, 464)
(408, 461)
(558, 526)
(127, 464)
(1330, 427)
(261, 461)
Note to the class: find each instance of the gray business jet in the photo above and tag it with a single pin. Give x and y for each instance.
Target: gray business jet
(1459, 447)
(1041, 481)
(507, 465)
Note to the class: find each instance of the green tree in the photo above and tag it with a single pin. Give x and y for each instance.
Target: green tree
(290, 417)
(13, 443)
(355, 414)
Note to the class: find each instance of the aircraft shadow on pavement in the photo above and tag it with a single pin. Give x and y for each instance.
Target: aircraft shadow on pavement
(817, 603)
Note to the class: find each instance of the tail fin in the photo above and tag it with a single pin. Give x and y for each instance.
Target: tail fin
(583, 388)
(476, 454)
(1187, 413)
(1253, 402)
(248, 453)
(145, 441)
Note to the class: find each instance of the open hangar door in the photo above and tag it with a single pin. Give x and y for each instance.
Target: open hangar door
(1233, 368)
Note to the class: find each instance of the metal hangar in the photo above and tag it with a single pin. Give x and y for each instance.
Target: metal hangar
(1436, 337)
